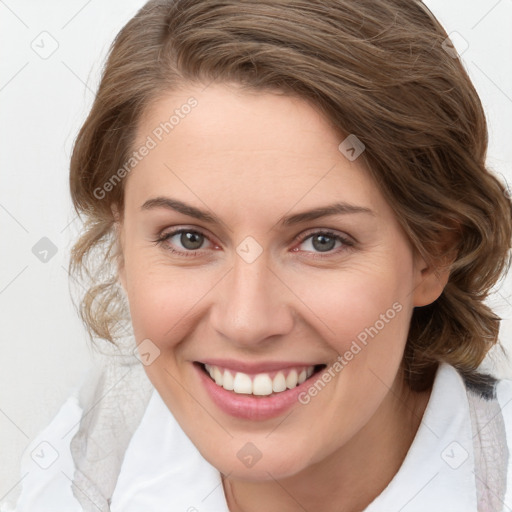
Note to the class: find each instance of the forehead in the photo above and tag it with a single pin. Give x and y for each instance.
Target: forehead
(255, 148)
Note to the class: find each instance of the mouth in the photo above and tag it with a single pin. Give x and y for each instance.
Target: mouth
(256, 392)
(261, 384)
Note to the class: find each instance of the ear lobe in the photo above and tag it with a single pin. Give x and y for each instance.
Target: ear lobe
(432, 279)
(430, 287)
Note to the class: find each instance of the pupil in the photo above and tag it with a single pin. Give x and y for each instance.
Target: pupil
(191, 240)
(323, 243)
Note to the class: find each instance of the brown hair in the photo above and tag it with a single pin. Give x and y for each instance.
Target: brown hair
(378, 69)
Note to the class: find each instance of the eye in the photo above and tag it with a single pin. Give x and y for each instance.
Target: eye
(190, 240)
(320, 242)
(323, 242)
(184, 241)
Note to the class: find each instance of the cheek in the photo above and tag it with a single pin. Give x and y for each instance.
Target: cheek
(355, 303)
(164, 299)
(363, 312)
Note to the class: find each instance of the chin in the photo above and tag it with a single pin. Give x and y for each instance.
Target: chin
(250, 464)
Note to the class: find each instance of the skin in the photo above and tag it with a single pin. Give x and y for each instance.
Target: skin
(250, 159)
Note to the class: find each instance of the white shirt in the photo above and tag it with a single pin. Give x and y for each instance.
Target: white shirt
(163, 470)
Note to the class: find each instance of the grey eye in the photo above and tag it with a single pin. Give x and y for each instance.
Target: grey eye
(323, 243)
(191, 240)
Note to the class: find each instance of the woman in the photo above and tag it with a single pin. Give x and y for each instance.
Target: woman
(290, 224)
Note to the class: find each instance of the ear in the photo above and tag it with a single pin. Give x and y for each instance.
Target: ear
(431, 278)
(119, 245)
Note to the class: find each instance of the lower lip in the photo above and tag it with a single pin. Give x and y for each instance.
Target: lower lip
(250, 407)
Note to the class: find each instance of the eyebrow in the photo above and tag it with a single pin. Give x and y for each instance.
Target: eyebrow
(179, 206)
(316, 213)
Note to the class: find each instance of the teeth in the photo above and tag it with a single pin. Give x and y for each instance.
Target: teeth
(279, 383)
(261, 384)
(228, 382)
(217, 376)
(242, 384)
(291, 380)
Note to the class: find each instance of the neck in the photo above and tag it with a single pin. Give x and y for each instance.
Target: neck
(349, 479)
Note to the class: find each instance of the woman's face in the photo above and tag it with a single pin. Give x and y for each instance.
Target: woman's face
(255, 248)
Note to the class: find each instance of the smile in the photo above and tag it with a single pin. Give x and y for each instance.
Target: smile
(261, 384)
(255, 392)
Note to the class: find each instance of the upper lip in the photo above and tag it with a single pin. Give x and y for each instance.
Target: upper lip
(256, 367)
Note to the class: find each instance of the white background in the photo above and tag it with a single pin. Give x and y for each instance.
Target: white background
(44, 349)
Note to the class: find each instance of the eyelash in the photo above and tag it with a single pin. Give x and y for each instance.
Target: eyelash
(346, 243)
(164, 237)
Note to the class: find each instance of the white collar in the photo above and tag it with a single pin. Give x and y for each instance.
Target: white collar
(162, 466)
(439, 466)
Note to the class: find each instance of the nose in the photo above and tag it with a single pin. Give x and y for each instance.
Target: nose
(252, 305)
